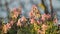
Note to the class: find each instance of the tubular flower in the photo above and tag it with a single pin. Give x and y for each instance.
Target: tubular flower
(44, 27)
(43, 18)
(39, 31)
(31, 14)
(48, 16)
(35, 12)
(34, 7)
(19, 10)
(55, 20)
(32, 21)
(5, 29)
(37, 16)
(38, 21)
(8, 25)
(23, 19)
(16, 12)
(19, 23)
(11, 22)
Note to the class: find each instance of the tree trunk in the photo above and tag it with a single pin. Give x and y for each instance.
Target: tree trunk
(51, 7)
(46, 9)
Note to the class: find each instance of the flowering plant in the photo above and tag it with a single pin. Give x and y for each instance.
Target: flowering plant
(35, 24)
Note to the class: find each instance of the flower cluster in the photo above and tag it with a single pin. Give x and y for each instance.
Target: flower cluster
(45, 16)
(21, 21)
(15, 12)
(35, 18)
(34, 12)
(6, 27)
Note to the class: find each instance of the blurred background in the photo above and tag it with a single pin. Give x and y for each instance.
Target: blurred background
(6, 5)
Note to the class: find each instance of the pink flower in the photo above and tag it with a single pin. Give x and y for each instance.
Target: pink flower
(32, 20)
(31, 14)
(44, 27)
(38, 21)
(4, 29)
(43, 17)
(39, 31)
(23, 19)
(8, 25)
(34, 7)
(12, 22)
(48, 16)
(19, 10)
(19, 22)
(16, 12)
(14, 9)
(55, 20)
